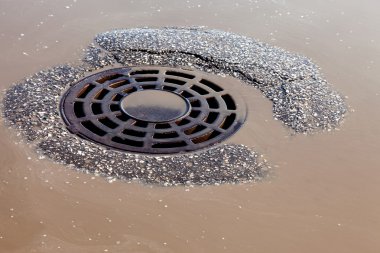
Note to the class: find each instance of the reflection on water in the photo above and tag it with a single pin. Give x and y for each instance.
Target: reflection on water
(323, 197)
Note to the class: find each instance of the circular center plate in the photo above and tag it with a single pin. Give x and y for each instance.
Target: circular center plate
(155, 106)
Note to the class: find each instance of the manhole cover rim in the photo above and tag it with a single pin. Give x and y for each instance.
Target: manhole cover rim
(240, 112)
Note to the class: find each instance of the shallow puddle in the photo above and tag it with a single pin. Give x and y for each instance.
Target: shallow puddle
(322, 196)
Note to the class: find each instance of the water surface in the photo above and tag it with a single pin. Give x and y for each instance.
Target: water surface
(324, 196)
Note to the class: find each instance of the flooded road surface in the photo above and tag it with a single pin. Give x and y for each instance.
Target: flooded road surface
(323, 196)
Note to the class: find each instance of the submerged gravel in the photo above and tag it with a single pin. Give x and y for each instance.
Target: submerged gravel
(301, 98)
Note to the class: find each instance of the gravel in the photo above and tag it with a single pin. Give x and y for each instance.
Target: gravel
(302, 99)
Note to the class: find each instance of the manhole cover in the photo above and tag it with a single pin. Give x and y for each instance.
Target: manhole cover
(154, 110)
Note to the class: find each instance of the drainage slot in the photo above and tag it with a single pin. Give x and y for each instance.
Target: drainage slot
(214, 134)
(162, 126)
(229, 102)
(228, 121)
(123, 117)
(195, 103)
(194, 129)
(202, 138)
(117, 97)
(186, 94)
(96, 108)
(101, 94)
(174, 81)
(144, 72)
(79, 110)
(199, 90)
(93, 128)
(108, 123)
(170, 145)
(128, 142)
(180, 74)
(142, 124)
(129, 90)
(211, 117)
(148, 86)
(183, 122)
(134, 133)
(85, 91)
(194, 113)
(114, 108)
(119, 84)
(169, 88)
(146, 79)
(109, 78)
(213, 103)
(166, 135)
(211, 85)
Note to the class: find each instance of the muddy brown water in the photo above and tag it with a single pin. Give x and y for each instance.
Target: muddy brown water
(324, 196)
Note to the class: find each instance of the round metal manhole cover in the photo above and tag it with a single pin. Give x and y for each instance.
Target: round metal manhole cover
(156, 110)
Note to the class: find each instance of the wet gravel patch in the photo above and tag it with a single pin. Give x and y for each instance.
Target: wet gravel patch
(224, 164)
(32, 107)
(301, 98)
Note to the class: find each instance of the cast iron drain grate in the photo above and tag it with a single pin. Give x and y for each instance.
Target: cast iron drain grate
(155, 110)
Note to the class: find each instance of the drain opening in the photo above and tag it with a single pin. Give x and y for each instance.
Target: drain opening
(152, 110)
